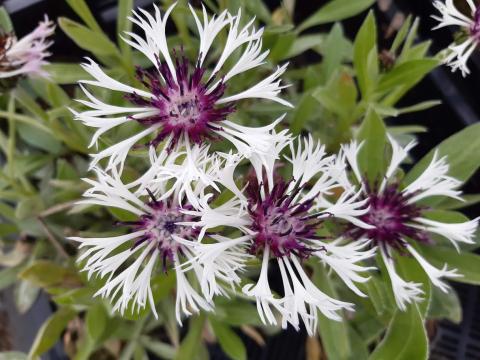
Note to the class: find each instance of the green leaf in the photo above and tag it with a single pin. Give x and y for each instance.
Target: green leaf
(336, 335)
(50, 332)
(27, 120)
(123, 24)
(424, 105)
(365, 56)
(335, 10)
(405, 73)
(371, 158)
(258, 8)
(162, 285)
(378, 291)
(160, 349)
(97, 43)
(463, 155)
(5, 22)
(96, 321)
(338, 96)
(29, 207)
(47, 274)
(39, 139)
(406, 338)
(302, 44)
(189, 346)
(236, 312)
(406, 129)
(401, 35)
(56, 96)
(282, 46)
(453, 204)
(445, 306)
(334, 50)
(25, 294)
(303, 111)
(82, 10)
(229, 341)
(28, 102)
(13, 355)
(80, 296)
(8, 276)
(467, 264)
(65, 73)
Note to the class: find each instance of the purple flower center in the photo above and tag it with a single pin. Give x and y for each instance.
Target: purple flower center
(160, 225)
(279, 222)
(186, 106)
(390, 212)
(475, 28)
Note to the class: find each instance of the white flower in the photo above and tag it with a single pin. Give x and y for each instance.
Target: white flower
(397, 220)
(180, 102)
(450, 16)
(160, 237)
(280, 221)
(27, 55)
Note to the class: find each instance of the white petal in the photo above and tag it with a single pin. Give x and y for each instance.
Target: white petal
(347, 207)
(236, 38)
(455, 232)
(155, 38)
(450, 15)
(188, 300)
(306, 298)
(399, 154)
(263, 294)
(432, 272)
(107, 82)
(434, 181)
(405, 292)
(269, 88)
(351, 151)
(308, 160)
(117, 153)
(209, 30)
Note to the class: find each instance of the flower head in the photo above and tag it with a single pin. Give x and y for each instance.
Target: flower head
(400, 220)
(451, 16)
(282, 223)
(159, 237)
(26, 56)
(182, 102)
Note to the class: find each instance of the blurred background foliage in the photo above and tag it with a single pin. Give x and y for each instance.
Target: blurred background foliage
(347, 89)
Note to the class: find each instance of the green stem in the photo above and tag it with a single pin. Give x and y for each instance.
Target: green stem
(25, 119)
(12, 130)
(127, 353)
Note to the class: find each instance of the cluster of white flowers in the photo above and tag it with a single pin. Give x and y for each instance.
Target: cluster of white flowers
(195, 215)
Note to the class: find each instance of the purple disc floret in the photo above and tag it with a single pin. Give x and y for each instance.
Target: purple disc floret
(390, 212)
(280, 222)
(160, 225)
(186, 106)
